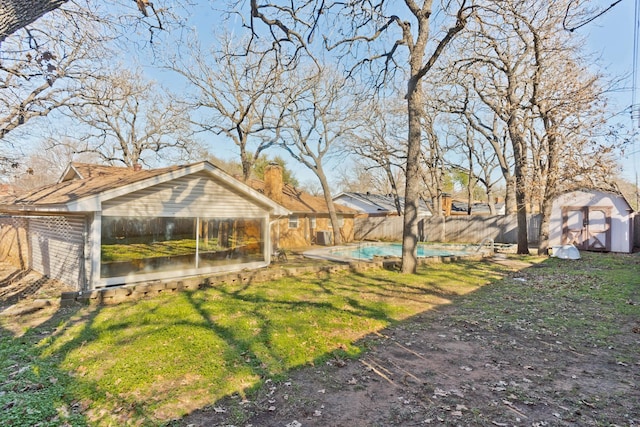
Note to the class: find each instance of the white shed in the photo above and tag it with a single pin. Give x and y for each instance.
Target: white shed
(592, 220)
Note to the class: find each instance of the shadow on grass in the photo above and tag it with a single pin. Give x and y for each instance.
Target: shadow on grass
(34, 390)
(154, 360)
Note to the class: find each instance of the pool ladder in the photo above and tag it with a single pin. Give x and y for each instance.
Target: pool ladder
(486, 240)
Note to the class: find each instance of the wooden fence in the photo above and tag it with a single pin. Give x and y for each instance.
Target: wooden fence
(455, 229)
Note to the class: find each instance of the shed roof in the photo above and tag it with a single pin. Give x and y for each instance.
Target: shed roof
(610, 191)
(82, 187)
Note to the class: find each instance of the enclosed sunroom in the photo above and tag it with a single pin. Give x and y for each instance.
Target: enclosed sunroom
(103, 226)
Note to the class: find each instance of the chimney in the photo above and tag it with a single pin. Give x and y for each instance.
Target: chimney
(273, 182)
(137, 167)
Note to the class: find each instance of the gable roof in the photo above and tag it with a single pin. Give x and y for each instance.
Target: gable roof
(83, 187)
(300, 202)
(610, 191)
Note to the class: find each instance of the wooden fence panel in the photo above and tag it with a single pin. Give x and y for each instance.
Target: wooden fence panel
(14, 245)
(453, 229)
(378, 228)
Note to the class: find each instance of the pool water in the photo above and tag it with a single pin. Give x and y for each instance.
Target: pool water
(392, 249)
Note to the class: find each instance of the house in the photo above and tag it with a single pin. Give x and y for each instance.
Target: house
(377, 204)
(100, 226)
(593, 220)
(308, 222)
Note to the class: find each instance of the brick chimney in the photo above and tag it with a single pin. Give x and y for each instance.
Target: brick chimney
(137, 167)
(273, 183)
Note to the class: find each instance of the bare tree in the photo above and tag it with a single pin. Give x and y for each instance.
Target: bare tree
(433, 155)
(129, 121)
(16, 15)
(364, 175)
(233, 94)
(324, 115)
(381, 143)
(499, 71)
(516, 51)
(491, 146)
(46, 164)
(44, 70)
(367, 34)
(571, 112)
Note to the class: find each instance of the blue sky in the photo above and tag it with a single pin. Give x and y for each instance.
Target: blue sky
(611, 36)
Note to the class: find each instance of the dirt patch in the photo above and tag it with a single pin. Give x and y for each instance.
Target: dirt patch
(541, 348)
(527, 351)
(27, 298)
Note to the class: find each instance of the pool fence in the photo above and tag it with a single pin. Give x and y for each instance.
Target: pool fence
(452, 229)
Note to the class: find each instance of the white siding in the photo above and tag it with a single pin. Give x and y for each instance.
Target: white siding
(194, 195)
(56, 245)
(621, 227)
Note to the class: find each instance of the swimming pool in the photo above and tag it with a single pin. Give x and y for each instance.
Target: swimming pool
(367, 251)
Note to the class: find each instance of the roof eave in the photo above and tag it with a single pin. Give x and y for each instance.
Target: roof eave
(93, 203)
(53, 208)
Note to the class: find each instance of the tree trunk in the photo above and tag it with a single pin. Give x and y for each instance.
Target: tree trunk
(550, 189)
(510, 195)
(394, 189)
(16, 14)
(412, 196)
(491, 203)
(335, 225)
(520, 169)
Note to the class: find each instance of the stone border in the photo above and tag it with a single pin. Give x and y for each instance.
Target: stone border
(120, 294)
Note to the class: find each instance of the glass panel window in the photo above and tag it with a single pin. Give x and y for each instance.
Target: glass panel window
(139, 245)
(312, 222)
(229, 241)
(293, 221)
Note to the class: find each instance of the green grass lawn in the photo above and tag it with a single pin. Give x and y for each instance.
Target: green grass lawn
(151, 361)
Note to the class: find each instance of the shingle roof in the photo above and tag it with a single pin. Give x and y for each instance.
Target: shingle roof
(298, 201)
(83, 186)
(83, 180)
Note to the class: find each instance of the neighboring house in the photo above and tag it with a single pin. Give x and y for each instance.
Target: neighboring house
(308, 222)
(593, 220)
(377, 204)
(102, 226)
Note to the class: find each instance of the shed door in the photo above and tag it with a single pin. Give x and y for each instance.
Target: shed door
(587, 227)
